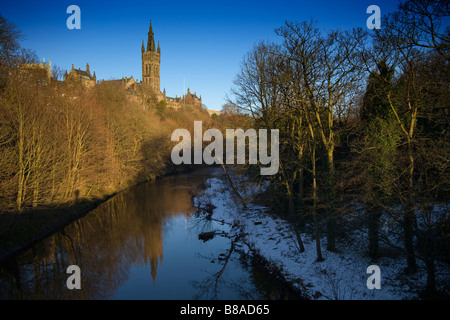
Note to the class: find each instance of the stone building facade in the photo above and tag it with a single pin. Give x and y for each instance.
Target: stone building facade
(83, 76)
(125, 82)
(42, 70)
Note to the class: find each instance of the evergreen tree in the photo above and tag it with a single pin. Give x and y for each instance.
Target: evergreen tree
(380, 142)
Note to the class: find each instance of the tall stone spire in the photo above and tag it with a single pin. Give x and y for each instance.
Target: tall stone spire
(151, 40)
(151, 60)
(143, 47)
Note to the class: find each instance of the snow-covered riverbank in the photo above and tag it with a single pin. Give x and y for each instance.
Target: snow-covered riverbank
(341, 276)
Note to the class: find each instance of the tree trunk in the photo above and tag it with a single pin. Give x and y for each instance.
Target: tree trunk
(21, 169)
(293, 217)
(314, 209)
(233, 186)
(330, 210)
(408, 220)
(300, 196)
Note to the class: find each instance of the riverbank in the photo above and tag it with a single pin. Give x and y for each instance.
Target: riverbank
(19, 231)
(341, 276)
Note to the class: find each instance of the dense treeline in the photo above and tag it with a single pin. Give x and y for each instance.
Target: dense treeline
(363, 120)
(61, 141)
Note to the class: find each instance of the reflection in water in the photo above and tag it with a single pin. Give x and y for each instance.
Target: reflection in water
(119, 249)
(125, 230)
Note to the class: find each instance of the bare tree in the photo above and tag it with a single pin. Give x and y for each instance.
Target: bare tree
(9, 42)
(420, 24)
(58, 73)
(330, 72)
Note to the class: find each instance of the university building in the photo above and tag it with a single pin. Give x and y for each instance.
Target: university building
(151, 75)
(151, 61)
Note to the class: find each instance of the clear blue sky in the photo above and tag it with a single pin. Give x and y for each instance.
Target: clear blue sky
(202, 42)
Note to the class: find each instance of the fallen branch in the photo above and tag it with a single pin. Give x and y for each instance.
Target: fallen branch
(233, 186)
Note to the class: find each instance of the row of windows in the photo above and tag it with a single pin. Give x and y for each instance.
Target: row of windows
(148, 69)
(147, 80)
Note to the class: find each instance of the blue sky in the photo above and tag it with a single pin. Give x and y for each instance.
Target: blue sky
(202, 42)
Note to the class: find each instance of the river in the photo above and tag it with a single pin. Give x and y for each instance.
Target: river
(141, 244)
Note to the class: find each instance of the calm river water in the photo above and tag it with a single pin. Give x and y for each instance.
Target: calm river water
(141, 244)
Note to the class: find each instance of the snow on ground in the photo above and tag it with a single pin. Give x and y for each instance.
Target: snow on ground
(341, 276)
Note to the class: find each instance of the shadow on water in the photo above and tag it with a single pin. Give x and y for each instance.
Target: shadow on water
(141, 244)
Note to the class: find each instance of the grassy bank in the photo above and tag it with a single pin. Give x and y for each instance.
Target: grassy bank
(19, 231)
